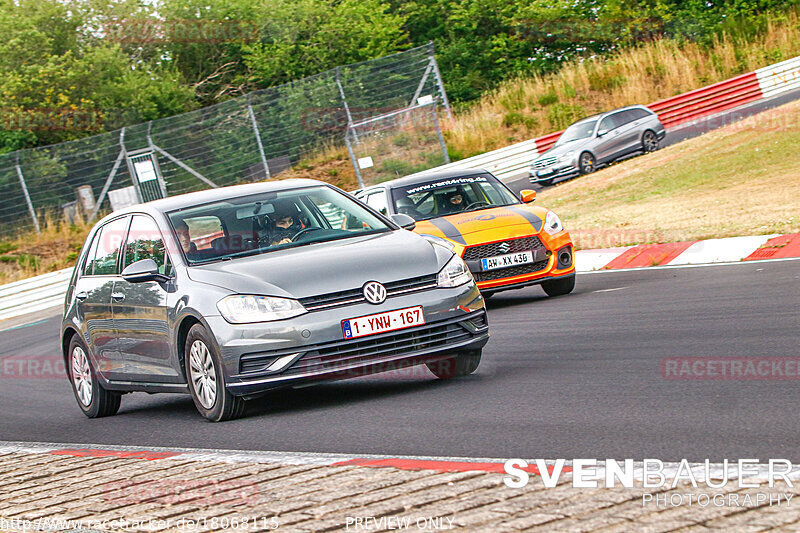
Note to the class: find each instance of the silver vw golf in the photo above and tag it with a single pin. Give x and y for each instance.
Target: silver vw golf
(599, 140)
(228, 293)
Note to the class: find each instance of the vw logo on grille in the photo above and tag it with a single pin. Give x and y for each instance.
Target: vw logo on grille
(504, 247)
(374, 292)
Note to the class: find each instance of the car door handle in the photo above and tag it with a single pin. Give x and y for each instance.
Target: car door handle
(118, 296)
(82, 295)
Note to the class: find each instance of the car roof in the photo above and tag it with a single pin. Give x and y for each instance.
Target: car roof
(606, 113)
(430, 175)
(191, 199)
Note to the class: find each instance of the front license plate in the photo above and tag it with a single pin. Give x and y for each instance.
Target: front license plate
(545, 172)
(382, 322)
(508, 260)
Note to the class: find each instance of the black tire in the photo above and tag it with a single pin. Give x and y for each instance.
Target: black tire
(203, 368)
(559, 287)
(460, 365)
(546, 183)
(92, 398)
(586, 163)
(649, 141)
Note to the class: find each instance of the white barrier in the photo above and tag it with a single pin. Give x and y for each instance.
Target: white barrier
(34, 294)
(503, 163)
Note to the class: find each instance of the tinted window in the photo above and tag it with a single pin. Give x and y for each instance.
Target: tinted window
(109, 242)
(145, 242)
(89, 265)
(611, 122)
(638, 113)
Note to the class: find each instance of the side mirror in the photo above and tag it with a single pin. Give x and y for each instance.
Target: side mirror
(404, 221)
(143, 270)
(602, 132)
(527, 195)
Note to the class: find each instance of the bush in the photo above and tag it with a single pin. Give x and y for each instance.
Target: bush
(511, 119)
(562, 115)
(547, 99)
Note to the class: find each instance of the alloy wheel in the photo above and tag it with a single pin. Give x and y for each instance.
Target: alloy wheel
(203, 374)
(650, 142)
(587, 163)
(82, 376)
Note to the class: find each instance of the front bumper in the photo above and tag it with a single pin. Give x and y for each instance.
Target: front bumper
(315, 348)
(547, 264)
(550, 173)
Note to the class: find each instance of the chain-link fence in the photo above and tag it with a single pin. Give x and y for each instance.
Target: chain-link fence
(397, 143)
(246, 139)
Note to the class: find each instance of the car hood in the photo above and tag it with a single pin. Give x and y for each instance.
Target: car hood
(328, 266)
(486, 225)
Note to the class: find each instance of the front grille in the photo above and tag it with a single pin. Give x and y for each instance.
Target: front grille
(544, 163)
(514, 245)
(518, 270)
(354, 296)
(335, 356)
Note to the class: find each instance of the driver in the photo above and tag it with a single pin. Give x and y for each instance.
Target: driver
(454, 202)
(286, 223)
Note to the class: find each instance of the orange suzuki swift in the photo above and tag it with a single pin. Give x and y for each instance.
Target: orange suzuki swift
(506, 242)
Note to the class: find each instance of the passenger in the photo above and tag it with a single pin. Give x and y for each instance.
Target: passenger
(190, 248)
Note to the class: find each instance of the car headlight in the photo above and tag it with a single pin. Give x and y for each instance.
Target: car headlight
(439, 241)
(552, 224)
(247, 308)
(454, 273)
(566, 157)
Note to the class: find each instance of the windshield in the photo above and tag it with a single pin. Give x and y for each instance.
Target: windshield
(449, 196)
(265, 222)
(581, 130)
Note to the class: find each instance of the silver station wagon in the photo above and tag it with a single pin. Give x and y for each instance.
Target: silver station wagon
(228, 293)
(599, 140)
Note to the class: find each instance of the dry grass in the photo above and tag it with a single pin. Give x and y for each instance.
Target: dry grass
(739, 180)
(527, 108)
(56, 247)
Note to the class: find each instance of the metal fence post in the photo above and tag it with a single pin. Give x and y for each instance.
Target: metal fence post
(439, 134)
(354, 160)
(439, 83)
(150, 145)
(27, 196)
(346, 109)
(258, 136)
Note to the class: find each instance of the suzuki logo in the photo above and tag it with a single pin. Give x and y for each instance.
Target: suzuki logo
(374, 292)
(504, 247)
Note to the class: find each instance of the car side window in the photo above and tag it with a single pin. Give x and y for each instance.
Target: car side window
(88, 267)
(377, 201)
(145, 242)
(607, 124)
(109, 242)
(637, 113)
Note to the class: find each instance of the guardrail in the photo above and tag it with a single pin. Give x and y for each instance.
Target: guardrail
(34, 294)
(722, 96)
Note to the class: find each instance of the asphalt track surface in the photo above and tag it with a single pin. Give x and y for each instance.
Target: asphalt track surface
(570, 377)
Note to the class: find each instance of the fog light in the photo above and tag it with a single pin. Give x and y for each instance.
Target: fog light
(565, 257)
